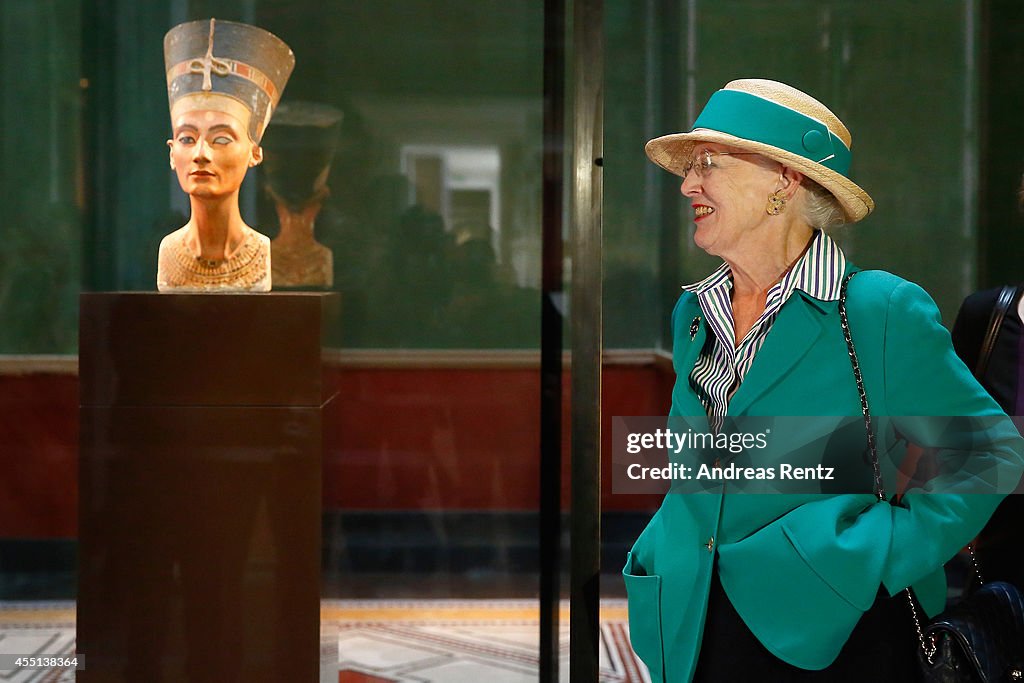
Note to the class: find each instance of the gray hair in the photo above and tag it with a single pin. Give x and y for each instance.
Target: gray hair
(820, 207)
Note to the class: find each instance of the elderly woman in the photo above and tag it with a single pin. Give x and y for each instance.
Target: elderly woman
(223, 81)
(792, 587)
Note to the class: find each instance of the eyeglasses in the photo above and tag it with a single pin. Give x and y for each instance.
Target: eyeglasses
(701, 162)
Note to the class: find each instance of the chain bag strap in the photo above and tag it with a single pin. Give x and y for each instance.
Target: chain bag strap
(928, 648)
(978, 640)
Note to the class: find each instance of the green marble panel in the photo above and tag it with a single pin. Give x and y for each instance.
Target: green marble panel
(428, 80)
(40, 158)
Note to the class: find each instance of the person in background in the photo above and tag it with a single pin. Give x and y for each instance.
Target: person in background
(1000, 370)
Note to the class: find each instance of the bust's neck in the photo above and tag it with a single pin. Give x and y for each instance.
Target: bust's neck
(216, 229)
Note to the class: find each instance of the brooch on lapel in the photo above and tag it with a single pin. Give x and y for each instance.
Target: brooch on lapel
(694, 326)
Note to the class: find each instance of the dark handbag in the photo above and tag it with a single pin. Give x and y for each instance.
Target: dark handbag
(981, 639)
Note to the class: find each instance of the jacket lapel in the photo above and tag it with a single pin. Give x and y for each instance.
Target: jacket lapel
(801, 321)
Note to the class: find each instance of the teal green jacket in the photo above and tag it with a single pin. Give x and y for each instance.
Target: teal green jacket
(800, 569)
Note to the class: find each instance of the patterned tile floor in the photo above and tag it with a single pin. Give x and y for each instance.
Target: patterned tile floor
(377, 641)
(37, 627)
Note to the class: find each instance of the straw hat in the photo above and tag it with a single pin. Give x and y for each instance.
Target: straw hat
(779, 122)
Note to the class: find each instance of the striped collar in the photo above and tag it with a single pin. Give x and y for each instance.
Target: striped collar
(818, 273)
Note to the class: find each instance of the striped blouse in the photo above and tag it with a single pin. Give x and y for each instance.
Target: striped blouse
(722, 365)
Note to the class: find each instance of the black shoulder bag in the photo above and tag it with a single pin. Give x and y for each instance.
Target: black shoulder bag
(980, 639)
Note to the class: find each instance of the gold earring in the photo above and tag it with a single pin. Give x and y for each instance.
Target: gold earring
(776, 203)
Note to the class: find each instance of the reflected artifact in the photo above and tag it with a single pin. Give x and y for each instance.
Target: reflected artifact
(224, 80)
(298, 154)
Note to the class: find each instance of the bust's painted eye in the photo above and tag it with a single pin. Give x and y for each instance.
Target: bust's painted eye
(186, 139)
(223, 140)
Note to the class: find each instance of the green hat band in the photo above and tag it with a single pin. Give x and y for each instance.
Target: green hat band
(759, 120)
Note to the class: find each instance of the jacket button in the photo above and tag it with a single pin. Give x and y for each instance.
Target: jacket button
(710, 545)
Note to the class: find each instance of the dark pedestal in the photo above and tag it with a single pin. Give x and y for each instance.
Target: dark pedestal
(199, 487)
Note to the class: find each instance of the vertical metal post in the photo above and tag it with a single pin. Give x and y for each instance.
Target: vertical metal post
(97, 93)
(970, 141)
(1000, 62)
(588, 148)
(669, 117)
(551, 337)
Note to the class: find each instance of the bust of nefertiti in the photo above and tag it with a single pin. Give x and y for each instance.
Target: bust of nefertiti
(223, 81)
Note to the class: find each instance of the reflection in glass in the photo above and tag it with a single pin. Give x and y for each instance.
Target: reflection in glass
(298, 151)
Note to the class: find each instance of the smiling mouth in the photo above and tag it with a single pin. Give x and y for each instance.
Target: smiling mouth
(700, 211)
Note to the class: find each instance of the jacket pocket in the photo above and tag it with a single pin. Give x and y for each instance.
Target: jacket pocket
(644, 594)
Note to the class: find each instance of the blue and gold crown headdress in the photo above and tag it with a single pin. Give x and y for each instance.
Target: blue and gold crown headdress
(243, 63)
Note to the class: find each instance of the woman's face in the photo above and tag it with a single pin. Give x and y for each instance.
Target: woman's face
(729, 199)
(211, 152)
